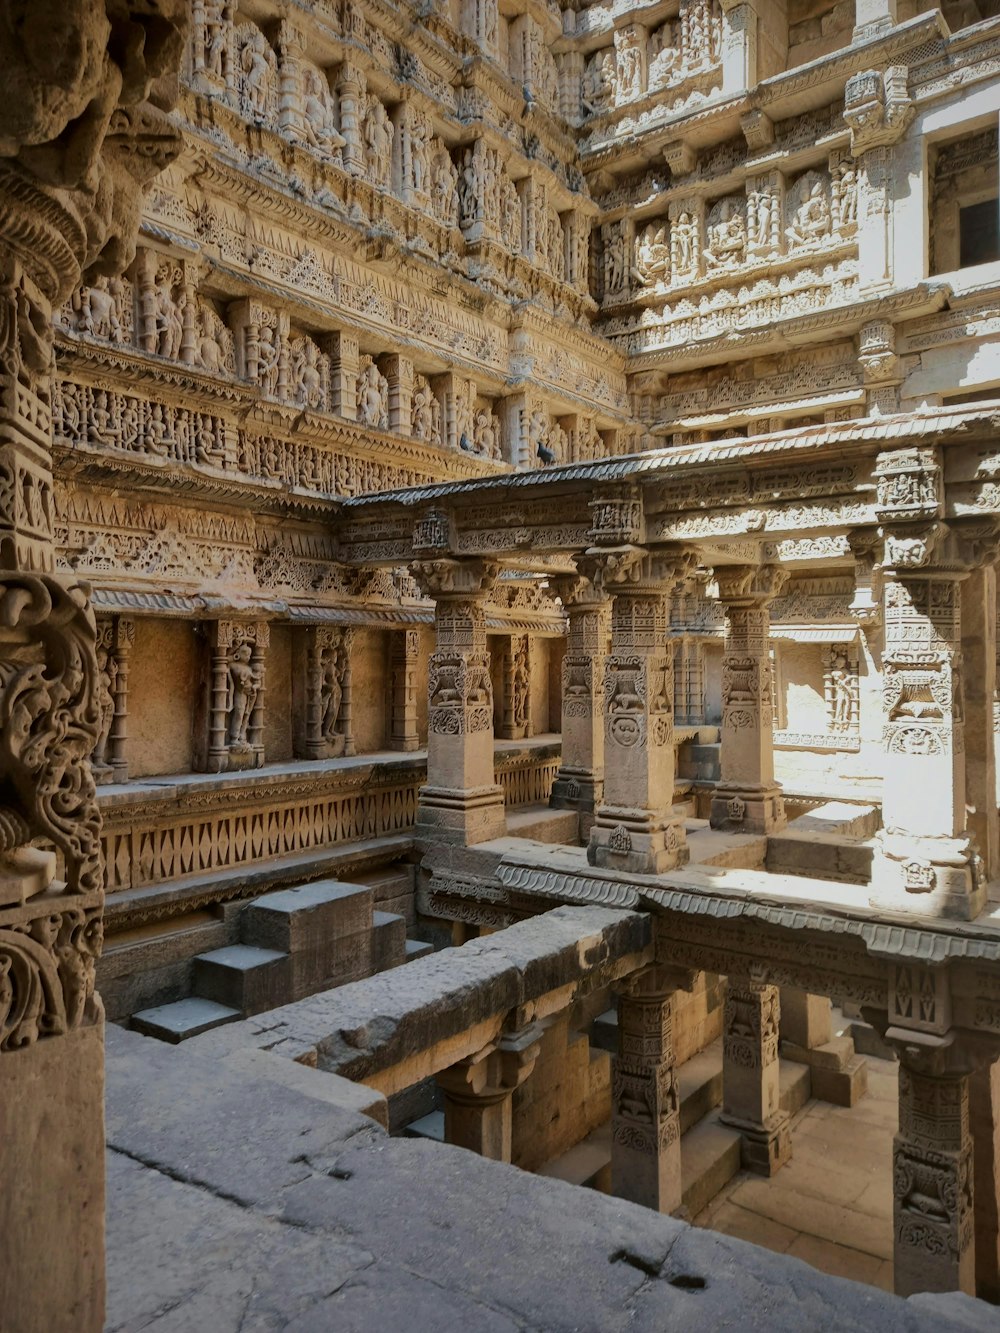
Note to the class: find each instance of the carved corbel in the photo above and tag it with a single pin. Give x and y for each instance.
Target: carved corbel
(878, 108)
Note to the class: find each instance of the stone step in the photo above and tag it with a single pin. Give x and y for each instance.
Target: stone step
(543, 824)
(417, 949)
(244, 977)
(842, 1087)
(699, 1082)
(604, 1031)
(841, 817)
(430, 1126)
(710, 1157)
(817, 855)
(308, 917)
(587, 1163)
(182, 1019)
(795, 1084)
(388, 941)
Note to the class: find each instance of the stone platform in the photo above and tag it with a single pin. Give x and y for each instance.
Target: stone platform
(238, 1202)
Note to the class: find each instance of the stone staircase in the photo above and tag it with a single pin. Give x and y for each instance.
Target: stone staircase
(292, 943)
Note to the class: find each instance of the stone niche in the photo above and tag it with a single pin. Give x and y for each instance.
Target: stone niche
(964, 204)
(163, 685)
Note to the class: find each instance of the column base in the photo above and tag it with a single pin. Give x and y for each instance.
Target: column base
(738, 809)
(765, 1146)
(941, 877)
(576, 789)
(637, 840)
(460, 818)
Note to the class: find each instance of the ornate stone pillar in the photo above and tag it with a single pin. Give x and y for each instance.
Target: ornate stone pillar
(579, 784)
(926, 861)
(751, 1095)
(351, 95)
(231, 723)
(516, 703)
(636, 828)
(78, 142)
(478, 1092)
(345, 364)
(879, 110)
(645, 1101)
(748, 800)
(932, 1168)
(398, 370)
(739, 45)
(115, 638)
(321, 692)
(403, 655)
(461, 802)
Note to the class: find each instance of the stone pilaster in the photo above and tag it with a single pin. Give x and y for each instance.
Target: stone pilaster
(635, 827)
(932, 1172)
(115, 638)
(403, 655)
(76, 80)
(739, 45)
(579, 784)
(751, 1096)
(645, 1101)
(398, 370)
(351, 90)
(345, 365)
(872, 18)
(461, 803)
(926, 861)
(478, 1092)
(878, 110)
(748, 799)
(516, 676)
(979, 655)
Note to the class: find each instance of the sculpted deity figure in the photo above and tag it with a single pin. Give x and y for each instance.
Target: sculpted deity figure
(373, 397)
(159, 436)
(378, 142)
(331, 691)
(309, 385)
(444, 188)
(487, 437)
(652, 255)
(664, 54)
(727, 236)
(842, 688)
(107, 672)
(101, 427)
(425, 418)
(519, 688)
(168, 323)
(683, 243)
(99, 310)
(811, 219)
(320, 131)
(598, 82)
(468, 190)
(268, 353)
(629, 79)
(241, 695)
(257, 63)
(218, 16)
(211, 355)
(760, 213)
(846, 188)
(614, 259)
(420, 142)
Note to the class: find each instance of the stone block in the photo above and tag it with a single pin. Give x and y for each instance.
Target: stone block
(794, 1082)
(186, 1018)
(308, 917)
(388, 941)
(243, 977)
(843, 1087)
(417, 949)
(710, 1157)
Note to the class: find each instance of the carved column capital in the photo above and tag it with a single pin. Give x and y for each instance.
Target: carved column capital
(457, 579)
(749, 585)
(493, 1073)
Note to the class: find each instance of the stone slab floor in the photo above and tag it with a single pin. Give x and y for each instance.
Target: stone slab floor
(831, 1205)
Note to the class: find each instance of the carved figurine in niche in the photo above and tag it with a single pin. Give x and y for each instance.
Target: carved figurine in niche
(242, 689)
(107, 672)
(652, 255)
(519, 687)
(684, 244)
(218, 18)
(160, 439)
(268, 355)
(257, 63)
(208, 446)
(420, 142)
(211, 351)
(373, 397)
(842, 686)
(468, 190)
(538, 438)
(333, 668)
(444, 188)
(614, 259)
(599, 81)
(317, 110)
(726, 235)
(425, 416)
(100, 310)
(377, 131)
(630, 64)
(760, 208)
(100, 424)
(510, 215)
(664, 54)
(845, 197)
(487, 434)
(307, 375)
(167, 322)
(463, 420)
(810, 219)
